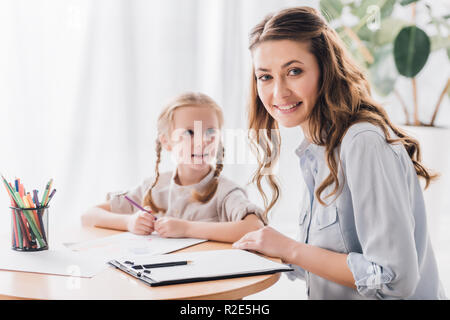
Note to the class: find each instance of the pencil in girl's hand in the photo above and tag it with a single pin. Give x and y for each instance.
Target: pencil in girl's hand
(139, 207)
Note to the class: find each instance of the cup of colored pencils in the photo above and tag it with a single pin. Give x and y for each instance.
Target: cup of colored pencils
(29, 216)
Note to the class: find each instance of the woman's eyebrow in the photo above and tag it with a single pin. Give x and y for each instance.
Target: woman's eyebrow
(287, 64)
(263, 69)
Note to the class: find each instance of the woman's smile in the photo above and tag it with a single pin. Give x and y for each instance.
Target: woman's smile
(287, 108)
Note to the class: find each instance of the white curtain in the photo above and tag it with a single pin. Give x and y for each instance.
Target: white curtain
(82, 82)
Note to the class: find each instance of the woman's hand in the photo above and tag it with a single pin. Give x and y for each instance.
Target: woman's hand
(141, 222)
(171, 227)
(267, 241)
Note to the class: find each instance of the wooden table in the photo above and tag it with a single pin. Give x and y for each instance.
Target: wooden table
(114, 284)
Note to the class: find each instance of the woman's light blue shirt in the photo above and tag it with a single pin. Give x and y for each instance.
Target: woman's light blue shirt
(378, 219)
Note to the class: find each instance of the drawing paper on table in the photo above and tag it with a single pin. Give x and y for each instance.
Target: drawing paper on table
(129, 244)
(59, 262)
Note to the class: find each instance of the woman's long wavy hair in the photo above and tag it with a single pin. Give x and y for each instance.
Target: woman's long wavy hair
(164, 127)
(343, 99)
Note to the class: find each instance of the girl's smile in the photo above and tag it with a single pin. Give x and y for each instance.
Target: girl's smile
(194, 141)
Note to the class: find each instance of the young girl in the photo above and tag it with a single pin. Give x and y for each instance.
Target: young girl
(362, 223)
(193, 201)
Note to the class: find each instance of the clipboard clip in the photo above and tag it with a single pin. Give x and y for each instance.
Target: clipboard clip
(141, 275)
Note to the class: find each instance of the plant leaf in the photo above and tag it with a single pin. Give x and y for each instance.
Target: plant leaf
(406, 2)
(438, 42)
(386, 7)
(331, 9)
(389, 29)
(352, 47)
(411, 51)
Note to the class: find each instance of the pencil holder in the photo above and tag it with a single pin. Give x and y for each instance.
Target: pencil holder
(29, 228)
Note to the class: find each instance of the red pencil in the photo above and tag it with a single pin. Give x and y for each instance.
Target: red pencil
(21, 221)
(13, 204)
(21, 190)
(16, 235)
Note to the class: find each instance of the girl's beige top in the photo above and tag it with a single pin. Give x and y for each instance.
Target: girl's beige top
(229, 203)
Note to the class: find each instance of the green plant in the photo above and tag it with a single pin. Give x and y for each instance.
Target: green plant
(388, 47)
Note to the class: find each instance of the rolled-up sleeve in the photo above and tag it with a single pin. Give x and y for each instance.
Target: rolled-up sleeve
(118, 202)
(387, 267)
(297, 273)
(235, 206)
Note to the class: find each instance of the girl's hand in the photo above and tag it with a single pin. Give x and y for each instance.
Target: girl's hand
(171, 227)
(267, 241)
(141, 222)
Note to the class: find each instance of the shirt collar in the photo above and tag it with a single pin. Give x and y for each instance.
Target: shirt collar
(307, 148)
(302, 147)
(198, 186)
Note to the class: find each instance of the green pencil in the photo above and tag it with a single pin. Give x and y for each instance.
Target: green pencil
(47, 189)
(9, 189)
(14, 203)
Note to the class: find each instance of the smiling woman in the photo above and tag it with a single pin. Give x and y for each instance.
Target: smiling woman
(362, 221)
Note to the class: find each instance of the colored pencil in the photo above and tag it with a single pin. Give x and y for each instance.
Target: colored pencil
(10, 190)
(33, 226)
(40, 212)
(17, 235)
(32, 222)
(139, 207)
(36, 198)
(50, 197)
(25, 231)
(31, 205)
(21, 190)
(17, 218)
(47, 190)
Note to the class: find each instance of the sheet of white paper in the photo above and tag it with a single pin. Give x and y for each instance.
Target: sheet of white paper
(207, 264)
(128, 244)
(53, 261)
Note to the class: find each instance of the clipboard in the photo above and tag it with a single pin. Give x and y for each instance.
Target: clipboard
(199, 266)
